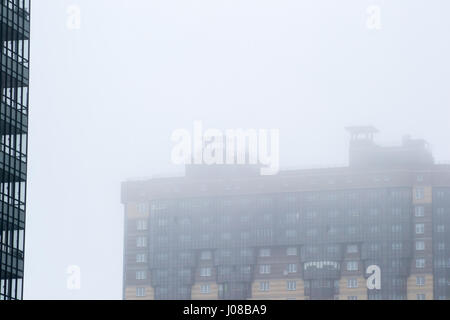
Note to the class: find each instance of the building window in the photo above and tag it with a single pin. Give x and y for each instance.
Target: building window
(246, 269)
(374, 229)
(291, 251)
(140, 292)
(420, 228)
(141, 225)
(183, 238)
(292, 268)
(225, 253)
(352, 298)
(421, 296)
(441, 246)
(396, 228)
(420, 193)
(291, 233)
(419, 211)
(246, 252)
(141, 275)
(141, 258)
(226, 236)
(441, 228)
(205, 237)
(353, 248)
(420, 281)
(397, 246)
(264, 269)
(264, 252)
(292, 285)
(352, 266)
(185, 221)
(420, 245)
(264, 286)
(142, 208)
(205, 272)
(141, 242)
(420, 263)
(352, 283)
(163, 222)
(205, 289)
(206, 255)
(292, 217)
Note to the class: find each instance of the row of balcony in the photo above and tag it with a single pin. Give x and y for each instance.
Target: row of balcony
(12, 169)
(15, 22)
(12, 120)
(12, 264)
(12, 217)
(13, 73)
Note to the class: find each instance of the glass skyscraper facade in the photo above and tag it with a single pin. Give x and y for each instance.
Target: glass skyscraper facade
(14, 57)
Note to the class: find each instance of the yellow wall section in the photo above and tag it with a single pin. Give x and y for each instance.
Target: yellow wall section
(278, 290)
(133, 213)
(360, 291)
(130, 293)
(413, 290)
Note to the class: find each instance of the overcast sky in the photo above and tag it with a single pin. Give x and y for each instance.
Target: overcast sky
(105, 99)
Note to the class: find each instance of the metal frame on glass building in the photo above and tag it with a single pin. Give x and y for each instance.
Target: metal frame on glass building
(14, 57)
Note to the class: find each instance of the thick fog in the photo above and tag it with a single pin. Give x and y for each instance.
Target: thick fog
(112, 80)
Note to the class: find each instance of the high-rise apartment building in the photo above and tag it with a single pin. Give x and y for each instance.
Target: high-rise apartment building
(14, 57)
(225, 232)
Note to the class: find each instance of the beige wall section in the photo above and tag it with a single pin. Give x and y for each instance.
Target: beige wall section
(130, 293)
(278, 290)
(360, 292)
(428, 195)
(413, 290)
(133, 212)
(213, 294)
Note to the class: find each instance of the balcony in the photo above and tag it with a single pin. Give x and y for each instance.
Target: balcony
(12, 121)
(12, 169)
(15, 22)
(12, 217)
(11, 262)
(15, 73)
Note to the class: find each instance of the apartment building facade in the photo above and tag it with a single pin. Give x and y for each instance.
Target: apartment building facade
(301, 234)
